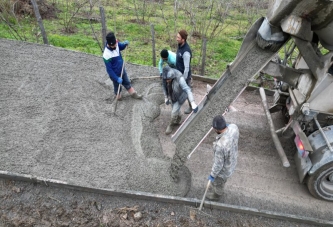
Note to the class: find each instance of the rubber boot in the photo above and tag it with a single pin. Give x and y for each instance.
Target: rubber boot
(171, 125)
(134, 94)
(179, 119)
(189, 109)
(213, 196)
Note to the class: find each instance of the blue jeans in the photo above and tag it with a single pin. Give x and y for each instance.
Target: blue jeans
(126, 83)
(175, 108)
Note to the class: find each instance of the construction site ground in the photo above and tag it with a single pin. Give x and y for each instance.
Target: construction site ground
(57, 122)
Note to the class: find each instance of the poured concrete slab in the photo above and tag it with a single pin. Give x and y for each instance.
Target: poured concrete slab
(59, 125)
(56, 122)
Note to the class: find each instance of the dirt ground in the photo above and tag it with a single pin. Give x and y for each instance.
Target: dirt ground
(58, 125)
(28, 205)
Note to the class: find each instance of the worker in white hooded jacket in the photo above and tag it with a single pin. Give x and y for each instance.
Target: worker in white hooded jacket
(177, 92)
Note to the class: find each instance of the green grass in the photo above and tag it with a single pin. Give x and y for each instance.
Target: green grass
(121, 18)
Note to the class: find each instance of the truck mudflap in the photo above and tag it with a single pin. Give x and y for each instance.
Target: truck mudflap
(248, 62)
(322, 154)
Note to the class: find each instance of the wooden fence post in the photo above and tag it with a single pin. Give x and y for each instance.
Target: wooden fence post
(203, 62)
(40, 21)
(153, 43)
(101, 11)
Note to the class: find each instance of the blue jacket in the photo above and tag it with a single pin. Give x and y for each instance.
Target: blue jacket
(113, 60)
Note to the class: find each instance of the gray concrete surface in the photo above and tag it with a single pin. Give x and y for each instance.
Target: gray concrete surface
(55, 122)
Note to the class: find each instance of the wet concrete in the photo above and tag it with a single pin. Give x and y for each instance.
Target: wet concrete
(57, 124)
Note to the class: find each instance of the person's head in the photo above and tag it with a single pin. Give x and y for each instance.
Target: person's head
(164, 54)
(219, 124)
(182, 37)
(165, 73)
(111, 40)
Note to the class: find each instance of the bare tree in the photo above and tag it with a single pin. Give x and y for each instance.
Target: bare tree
(170, 23)
(14, 21)
(144, 9)
(72, 8)
(248, 12)
(206, 18)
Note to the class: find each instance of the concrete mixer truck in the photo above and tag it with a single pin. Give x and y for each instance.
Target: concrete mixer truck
(304, 88)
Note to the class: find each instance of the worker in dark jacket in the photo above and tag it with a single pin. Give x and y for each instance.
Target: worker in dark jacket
(183, 61)
(115, 67)
(225, 156)
(177, 91)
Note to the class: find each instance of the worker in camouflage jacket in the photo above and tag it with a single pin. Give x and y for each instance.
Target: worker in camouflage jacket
(225, 156)
(177, 92)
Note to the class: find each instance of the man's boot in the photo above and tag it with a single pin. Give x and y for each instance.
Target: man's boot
(172, 123)
(179, 119)
(213, 196)
(189, 109)
(135, 95)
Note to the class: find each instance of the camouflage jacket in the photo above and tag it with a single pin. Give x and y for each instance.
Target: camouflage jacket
(225, 152)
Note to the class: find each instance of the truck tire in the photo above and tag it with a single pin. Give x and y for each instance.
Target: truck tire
(320, 184)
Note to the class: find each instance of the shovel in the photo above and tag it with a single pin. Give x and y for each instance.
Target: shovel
(114, 106)
(195, 211)
(204, 196)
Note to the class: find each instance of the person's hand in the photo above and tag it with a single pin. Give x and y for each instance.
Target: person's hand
(211, 178)
(126, 42)
(166, 100)
(194, 107)
(161, 75)
(119, 80)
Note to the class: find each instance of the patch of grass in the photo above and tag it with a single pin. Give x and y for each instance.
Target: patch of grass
(75, 42)
(121, 18)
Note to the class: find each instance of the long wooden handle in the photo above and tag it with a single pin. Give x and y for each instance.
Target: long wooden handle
(122, 71)
(203, 199)
(121, 76)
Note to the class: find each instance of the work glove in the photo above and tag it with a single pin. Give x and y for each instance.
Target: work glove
(166, 100)
(126, 42)
(194, 107)
(119, 80)
(211, 178)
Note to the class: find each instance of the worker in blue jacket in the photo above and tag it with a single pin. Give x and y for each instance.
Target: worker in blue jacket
(115, 67)
(168, 57)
